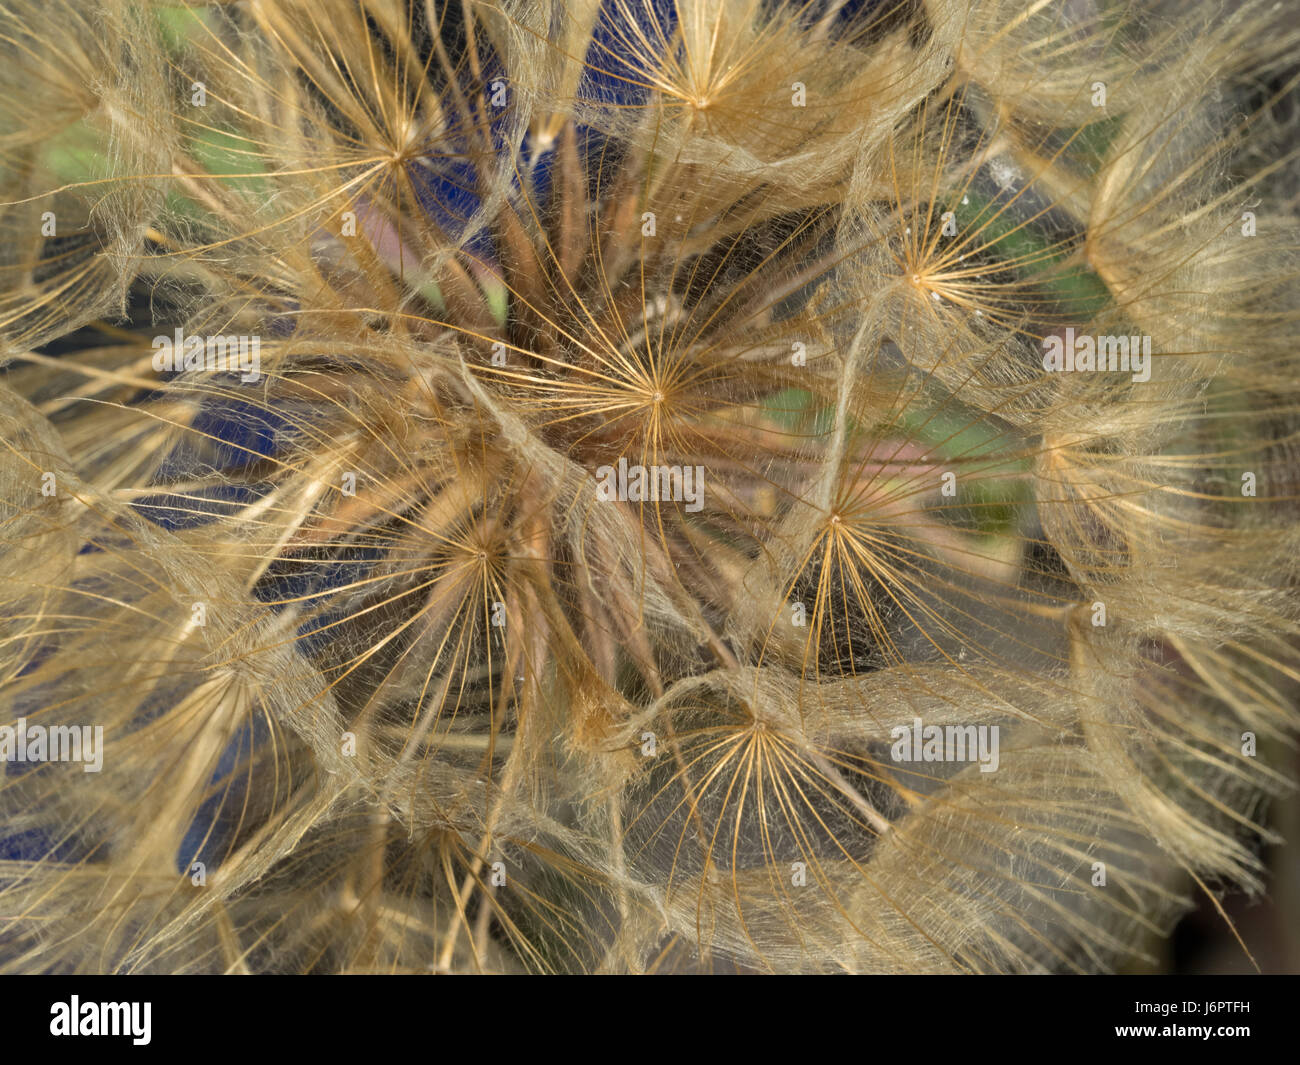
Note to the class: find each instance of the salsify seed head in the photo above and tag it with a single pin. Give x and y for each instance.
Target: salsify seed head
(641, 486)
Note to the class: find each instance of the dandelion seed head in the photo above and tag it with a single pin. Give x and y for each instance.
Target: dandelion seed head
(613, 542)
